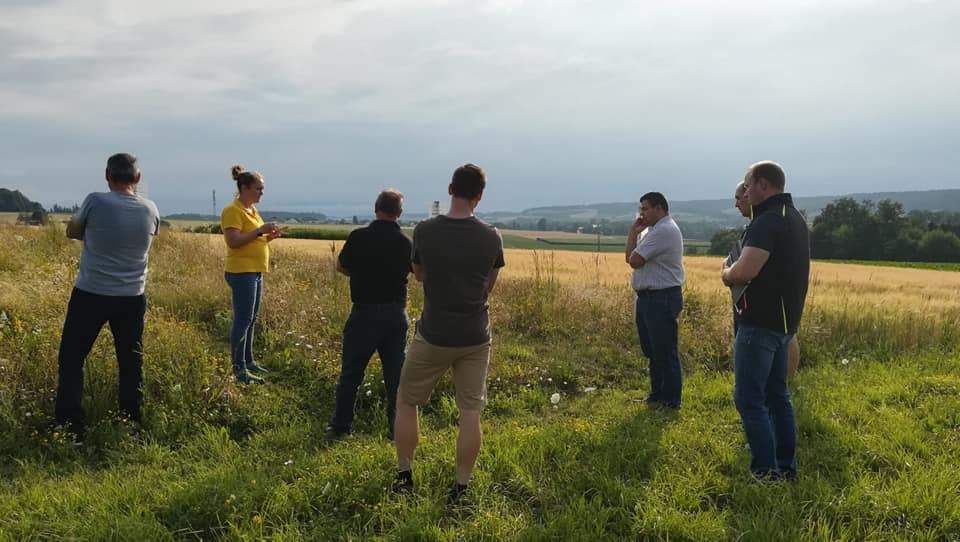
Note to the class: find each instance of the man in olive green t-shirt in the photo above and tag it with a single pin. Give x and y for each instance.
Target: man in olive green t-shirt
(457, 257)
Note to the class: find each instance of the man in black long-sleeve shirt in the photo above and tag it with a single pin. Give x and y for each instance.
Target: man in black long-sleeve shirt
(377, 260)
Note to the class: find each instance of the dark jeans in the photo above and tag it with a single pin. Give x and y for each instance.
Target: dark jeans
(763, 400)
(86, 314)
(656, 313)
(370, 328)
(247, 290)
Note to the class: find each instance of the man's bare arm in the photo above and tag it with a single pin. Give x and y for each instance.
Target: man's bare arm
(751, 261)
(633, 259)
(74, 230)
(492, 279)
(418, 272)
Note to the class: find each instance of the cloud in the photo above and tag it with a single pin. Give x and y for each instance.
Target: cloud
(566, 100)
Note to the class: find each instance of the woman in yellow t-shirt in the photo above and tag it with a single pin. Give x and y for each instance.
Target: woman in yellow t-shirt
(248, 257)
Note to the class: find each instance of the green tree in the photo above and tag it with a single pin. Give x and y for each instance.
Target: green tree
(723, 240)
(890, 223)
(940, 246)
(845, 229)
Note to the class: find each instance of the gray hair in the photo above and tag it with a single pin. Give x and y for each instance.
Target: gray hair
(122, 168)
(389, 202)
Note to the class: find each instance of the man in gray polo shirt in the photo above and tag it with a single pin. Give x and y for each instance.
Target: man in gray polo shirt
(116, 228)
(655, 252)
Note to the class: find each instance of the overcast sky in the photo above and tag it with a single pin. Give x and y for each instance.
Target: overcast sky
(561, 102)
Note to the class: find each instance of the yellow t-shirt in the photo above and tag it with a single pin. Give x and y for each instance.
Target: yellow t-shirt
(253, 257)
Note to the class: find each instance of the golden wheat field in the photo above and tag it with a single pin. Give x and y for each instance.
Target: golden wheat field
(888, 307)
(920, 291)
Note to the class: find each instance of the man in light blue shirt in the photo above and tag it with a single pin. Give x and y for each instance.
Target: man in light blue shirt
(116, 228)
(655, 252)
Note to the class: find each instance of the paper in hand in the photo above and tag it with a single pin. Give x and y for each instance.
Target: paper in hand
(736, 292)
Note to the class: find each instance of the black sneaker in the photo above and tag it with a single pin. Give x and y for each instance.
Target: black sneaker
(403, 483)
(335, 433)
(456, 493)
(246, 377)
(766, 476)
(74, 432)
(256, 368)
(788, 475)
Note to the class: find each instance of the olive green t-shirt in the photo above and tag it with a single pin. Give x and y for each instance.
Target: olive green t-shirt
(457, 255)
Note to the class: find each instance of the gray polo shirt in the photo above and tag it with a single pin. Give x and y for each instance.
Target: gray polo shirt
(661, 246)
(117, 232)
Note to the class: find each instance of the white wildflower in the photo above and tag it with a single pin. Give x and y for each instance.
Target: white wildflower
(288, 462)
(555, 398)
(844, 361)
(590, 389)
(369, 393)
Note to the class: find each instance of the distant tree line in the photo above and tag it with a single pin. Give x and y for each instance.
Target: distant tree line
(700, 229)
(64, 209)
(16, 202)
(850, 230)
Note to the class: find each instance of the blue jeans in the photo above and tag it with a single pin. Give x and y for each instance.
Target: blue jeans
(763, 399)
(380, 328)
(656, 314)
(247, 290)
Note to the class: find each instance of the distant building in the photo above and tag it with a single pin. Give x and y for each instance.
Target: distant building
(436, 210)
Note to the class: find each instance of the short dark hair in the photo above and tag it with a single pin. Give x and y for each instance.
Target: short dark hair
(656, 199)
(468, 182)
(389, 202)
(122, 168)
(770, 171)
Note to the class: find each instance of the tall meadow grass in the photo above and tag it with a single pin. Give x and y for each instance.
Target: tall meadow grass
(877, 403)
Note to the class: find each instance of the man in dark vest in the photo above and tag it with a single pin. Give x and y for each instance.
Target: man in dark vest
(776, 263)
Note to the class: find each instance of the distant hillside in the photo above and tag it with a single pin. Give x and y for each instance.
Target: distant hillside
(722, 210)
(12, 201)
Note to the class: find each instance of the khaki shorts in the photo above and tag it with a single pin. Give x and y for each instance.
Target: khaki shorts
(426, 363)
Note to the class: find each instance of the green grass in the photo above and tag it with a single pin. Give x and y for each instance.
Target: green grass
(878, 444)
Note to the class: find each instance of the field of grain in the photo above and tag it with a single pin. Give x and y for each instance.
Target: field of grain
(877, 399)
